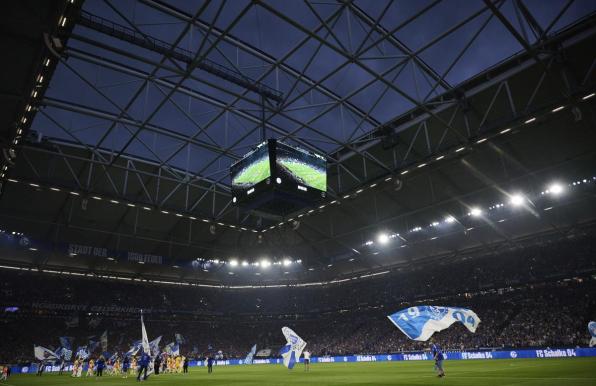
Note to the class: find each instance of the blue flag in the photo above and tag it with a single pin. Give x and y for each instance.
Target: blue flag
(592, 329)
(421, 322)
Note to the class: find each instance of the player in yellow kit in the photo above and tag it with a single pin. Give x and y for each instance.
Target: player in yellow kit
(90, 368)
(178, 365)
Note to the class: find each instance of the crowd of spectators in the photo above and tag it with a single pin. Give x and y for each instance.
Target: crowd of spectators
(541, 295)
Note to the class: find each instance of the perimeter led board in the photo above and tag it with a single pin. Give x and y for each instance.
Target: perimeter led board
(278, 178)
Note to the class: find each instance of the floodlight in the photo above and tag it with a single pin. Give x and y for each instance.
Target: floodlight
(383, 238)
(287, 262)
(476, 212)
(516, 200)
(556, 189)
(233, 263)
(449, 219)
(245, 263)
(265, 263)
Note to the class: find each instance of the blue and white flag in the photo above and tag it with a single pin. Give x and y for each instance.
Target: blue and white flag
(66, 342)
(250, 355)
(172, 349)
(44, 354)
(179, 338)
(64, 352)
(134, 349)
(144, 338)
(154, 346)
(592, 329)
(421, 322)
(83, 352)
(293, 349)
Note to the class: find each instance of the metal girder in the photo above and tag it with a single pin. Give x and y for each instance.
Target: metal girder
(118, 31)
(405, 121)
(258, 53)
(57, 149)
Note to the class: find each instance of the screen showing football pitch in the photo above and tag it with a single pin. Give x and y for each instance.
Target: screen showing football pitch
(301, 166)
(251, 170)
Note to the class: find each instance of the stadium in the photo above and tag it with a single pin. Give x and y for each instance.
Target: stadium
(284, 192)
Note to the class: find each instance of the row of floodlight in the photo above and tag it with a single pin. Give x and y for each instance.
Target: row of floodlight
(515, 200)
(131, 205)
(29, 109)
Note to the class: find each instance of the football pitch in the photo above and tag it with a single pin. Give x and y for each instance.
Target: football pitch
(310, 176)
(527, 372)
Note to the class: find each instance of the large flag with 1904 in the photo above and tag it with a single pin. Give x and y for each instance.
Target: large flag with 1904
(293, 349)
(421, 322)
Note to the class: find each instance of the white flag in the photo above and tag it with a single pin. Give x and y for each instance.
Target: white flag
(144, 339)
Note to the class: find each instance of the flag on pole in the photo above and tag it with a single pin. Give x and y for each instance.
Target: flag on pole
(592, 329)
(104, 341)
(144, 339)
(154, 346)
(250, 355)
(136, 346)
(82, 352)
(43, 354)
(421, 322)
(293, 349)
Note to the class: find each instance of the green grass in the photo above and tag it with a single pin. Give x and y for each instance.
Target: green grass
(312, 177)
(253, 174)
(526, 372)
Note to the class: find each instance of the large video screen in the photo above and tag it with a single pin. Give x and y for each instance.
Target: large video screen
(251, 169)
(301, 166)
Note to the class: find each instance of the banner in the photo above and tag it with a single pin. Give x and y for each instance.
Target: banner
(592, 330)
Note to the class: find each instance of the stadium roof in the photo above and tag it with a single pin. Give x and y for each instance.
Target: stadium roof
(142, 106)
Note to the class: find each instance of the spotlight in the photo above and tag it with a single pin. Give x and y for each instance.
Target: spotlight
(245, 263)
(516, 200)
(278, 180)
(287, 262)
(383, 238)
(476, 212)
(234, 199)
(555, 189)
(265, 263)
(449, 219)
(233, 263)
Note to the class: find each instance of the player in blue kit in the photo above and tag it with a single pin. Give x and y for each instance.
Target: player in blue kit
(438, 357)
